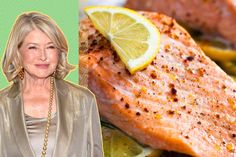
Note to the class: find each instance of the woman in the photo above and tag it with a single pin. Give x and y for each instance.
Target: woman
(40, 113)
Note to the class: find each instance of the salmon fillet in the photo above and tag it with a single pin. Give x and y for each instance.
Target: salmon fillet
(181, 102)
(210, 16)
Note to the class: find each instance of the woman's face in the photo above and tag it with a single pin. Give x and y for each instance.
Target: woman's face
(39, 54)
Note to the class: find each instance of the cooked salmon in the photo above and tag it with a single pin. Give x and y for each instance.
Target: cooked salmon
(211, 16)
(181, 102)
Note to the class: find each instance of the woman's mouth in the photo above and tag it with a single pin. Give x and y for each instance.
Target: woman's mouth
(42, 66)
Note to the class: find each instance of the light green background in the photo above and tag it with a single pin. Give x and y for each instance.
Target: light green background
(64, 12)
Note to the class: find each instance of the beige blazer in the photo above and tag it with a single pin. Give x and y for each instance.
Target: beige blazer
(78, 131)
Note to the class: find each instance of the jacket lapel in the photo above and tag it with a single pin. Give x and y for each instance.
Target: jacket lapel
(65, 115)
(17, 119)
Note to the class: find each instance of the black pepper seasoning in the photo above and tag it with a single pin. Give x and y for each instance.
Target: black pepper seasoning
(127, 105)
(138, 114)
(145, 109)
(171, 112)
(183, 107)
(189, 58)
(153, 75)
(202, 114)
(175, 99)
(233, 135)
(217, 116)
(173, 91)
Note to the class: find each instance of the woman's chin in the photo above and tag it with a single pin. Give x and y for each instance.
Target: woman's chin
(40, 75)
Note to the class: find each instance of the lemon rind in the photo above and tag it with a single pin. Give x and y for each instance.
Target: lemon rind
(133, 65)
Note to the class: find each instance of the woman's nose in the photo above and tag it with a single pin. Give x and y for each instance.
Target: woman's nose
(43, 55)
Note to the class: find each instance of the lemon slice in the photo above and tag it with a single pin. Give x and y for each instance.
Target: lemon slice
(118, 144)
(135, 38)
(217, 52)
(228, 67)
(234, 77)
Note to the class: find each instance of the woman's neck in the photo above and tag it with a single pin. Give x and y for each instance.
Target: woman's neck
(36, 96)
(35, 84)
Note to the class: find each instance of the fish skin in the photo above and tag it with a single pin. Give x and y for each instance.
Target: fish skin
(181, 102)
(216, 17)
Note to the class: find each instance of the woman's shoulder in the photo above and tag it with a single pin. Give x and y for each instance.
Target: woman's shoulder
(79, 94)
(77, 89)
(4, 92)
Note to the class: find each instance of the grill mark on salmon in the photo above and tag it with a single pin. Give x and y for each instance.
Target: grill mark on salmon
(181, 102)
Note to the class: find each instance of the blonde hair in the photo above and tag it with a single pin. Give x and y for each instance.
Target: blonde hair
(25, 23)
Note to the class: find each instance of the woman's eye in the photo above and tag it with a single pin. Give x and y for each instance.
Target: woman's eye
(32, 48)
(51, 47)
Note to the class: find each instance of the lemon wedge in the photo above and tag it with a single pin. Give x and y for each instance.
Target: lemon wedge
(234, 77)
(135, 38)
(117, 144)
(228, 67)
(217, 52)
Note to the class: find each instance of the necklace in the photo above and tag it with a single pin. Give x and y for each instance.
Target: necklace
(45, 142)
